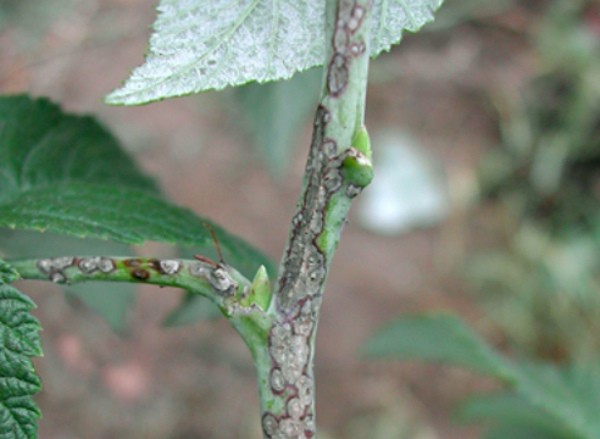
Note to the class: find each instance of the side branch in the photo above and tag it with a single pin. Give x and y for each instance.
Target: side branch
(219, 282)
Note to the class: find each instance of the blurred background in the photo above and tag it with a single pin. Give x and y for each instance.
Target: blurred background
(486, 202)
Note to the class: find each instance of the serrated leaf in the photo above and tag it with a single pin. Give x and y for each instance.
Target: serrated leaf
(19, 341)
(436, 337)
(198, 46)
(66, 174)
(41, 146)
(118, 213)
(7, 273)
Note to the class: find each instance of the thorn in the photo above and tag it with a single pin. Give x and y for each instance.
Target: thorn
(206, 260)
(211, 230)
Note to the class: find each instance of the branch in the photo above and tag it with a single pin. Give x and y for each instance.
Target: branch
(337, 170)
(219, 282)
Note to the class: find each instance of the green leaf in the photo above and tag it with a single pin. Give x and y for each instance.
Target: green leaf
(510, 409)
(437, 337)
(19, 341)
(112, 302)
(122, 214)
(571, 395)
(192, 309)
(522, 432)
(198, 46)
(276, 111)
(41, 146)
(7, 273)
(65, 174)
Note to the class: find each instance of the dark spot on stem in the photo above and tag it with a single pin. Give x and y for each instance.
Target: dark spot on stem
(140, 274)
(155, 265)
(132, 262)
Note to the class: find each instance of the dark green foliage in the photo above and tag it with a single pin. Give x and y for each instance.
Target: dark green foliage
(66, 174)
(7, 273)
(19, 341)
(41, 147)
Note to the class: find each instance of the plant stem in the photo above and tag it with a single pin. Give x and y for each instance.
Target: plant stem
(218, 282)
(335, 173)
(282, 337)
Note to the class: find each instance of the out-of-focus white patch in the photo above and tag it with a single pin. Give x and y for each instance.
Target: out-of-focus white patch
(408, 190)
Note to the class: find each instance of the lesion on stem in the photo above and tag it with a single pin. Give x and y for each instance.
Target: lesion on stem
(232, 292)
(337, 169)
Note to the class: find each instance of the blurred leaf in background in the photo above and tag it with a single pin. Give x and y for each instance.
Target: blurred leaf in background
(193, 308)
(542, 400)
(543, 284)
(275, 114)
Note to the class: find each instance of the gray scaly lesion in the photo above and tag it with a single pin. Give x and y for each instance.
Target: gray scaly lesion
(226, 287)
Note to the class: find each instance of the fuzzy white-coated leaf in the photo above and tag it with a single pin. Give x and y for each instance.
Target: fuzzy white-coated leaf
(391, 17)
(201, 45)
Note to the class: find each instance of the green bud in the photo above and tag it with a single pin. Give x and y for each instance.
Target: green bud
(356, 167)
(260, 290)
(362, 142)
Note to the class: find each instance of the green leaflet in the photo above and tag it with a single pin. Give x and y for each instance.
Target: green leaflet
(198, 46)
(569, 396)
(509, 409)
(66, 174)
(436, 337)
(19, 341)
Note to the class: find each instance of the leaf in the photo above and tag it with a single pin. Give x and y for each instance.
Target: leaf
(522, 432)
(198, 46)
(276, 111)
(192, 309)
(65, 174)
(510, 409)
(571, 395)
(118, 213)
(41, 146)
(7, 273)
(437, 337)
(111, 301)
(19, 341)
